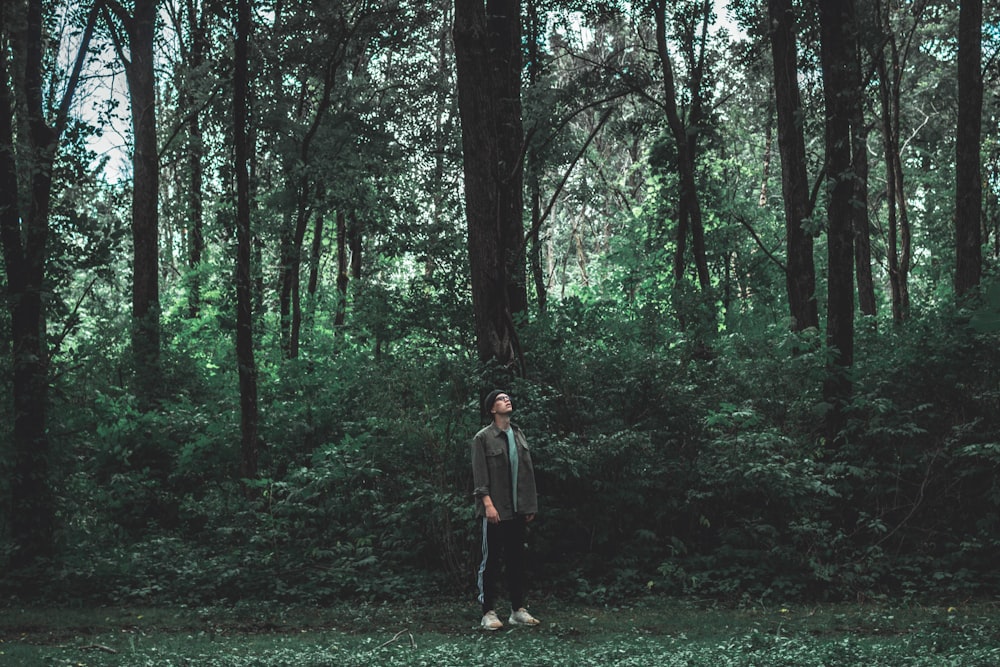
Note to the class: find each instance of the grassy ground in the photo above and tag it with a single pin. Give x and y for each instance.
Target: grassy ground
(655, 632)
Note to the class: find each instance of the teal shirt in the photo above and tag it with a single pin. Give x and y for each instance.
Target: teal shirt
(512, 459)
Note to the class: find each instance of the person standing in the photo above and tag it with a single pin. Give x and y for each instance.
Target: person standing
(506, 502)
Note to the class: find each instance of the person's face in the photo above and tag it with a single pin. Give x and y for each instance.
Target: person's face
(502, 405)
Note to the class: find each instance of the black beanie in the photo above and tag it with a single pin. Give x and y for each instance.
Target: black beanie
(488, 402)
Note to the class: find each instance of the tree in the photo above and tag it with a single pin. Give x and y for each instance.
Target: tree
(800, 273)
(24, 229)
(836, 54)
(968, 180)
(488, 64)
(890, 57)
(685, 137)
(859, 161)
(140, 30)
(191, 27)
(244, 302)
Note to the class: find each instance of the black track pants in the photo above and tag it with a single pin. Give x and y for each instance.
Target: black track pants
(503, 545)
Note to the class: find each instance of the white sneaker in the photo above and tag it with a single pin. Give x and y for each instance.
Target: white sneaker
(522, 617)
(491, 622)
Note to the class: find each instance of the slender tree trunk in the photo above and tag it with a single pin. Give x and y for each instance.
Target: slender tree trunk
(443, 133)
(294, 274)
(23, 237)
(800, 277)
(247, 367)
(968, 178)
(890, 72)
(765, 172)
(196, 234)
(892, 195)
(487, 55)
(689, 210)
(698, 57)
(861, 223)
(292, 239)
(355, 237)
(836, 53)
(891, 149)
(315, 255)
(342, 269)
(535, 163)
(196, 158)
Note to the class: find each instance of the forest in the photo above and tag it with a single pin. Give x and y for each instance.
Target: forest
(737, 264)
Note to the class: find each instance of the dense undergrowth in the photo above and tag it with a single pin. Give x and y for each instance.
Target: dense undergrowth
(667, 464)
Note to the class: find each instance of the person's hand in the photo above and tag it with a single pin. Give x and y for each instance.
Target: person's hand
(528, 518)
(492, 515)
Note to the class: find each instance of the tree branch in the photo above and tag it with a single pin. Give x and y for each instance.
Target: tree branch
(548, 207)
(760, 243)
(62, 115)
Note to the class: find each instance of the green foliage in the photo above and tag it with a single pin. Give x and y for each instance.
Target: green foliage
(665, 465)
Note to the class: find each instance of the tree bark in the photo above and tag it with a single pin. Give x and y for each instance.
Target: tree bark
(139, 27)
(800, 276)
(23, 237)
(488, 64)
(968, 179)
(859, 158)
(247, 367)
(196, 158)
(836, 54)
(534, 164)
(145, 220)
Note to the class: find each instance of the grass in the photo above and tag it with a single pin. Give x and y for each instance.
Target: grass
(656, 632)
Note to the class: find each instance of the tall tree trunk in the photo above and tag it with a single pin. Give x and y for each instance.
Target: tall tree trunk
(968, 178)
(534, 164)
(145, 213)
(889, 67)
(443, 133)
(23, 236)
(889, 143)
(488, 64)
(247, 367)
(800, 277)
(836, 53)
(140, 30)
(196, 158)
(503, 23)
(698, 59)
(861, 222)
(689, 209)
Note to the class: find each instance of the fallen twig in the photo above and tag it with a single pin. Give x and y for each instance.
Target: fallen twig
(98, 647)
(413, 642)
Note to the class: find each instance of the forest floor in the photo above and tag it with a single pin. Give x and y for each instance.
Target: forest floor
(656, 632)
